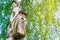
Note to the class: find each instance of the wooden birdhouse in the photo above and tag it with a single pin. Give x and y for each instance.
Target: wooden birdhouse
(19, 30)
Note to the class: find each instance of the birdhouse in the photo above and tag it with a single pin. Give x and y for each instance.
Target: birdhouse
(20, 30)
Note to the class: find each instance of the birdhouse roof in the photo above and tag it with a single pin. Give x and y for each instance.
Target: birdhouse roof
(23, 13)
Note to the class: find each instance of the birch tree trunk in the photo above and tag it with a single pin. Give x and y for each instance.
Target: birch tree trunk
(16, 7)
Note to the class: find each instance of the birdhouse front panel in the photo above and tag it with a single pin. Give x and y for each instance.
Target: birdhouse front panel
(21, 23)
(20, 26)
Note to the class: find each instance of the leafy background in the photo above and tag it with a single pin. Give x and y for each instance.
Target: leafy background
(43, 20)
(5, 6)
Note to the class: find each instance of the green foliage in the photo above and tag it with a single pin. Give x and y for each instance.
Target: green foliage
(40, 18)
(5, 6)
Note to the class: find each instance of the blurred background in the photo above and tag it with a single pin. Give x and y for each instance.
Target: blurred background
(43, 20)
